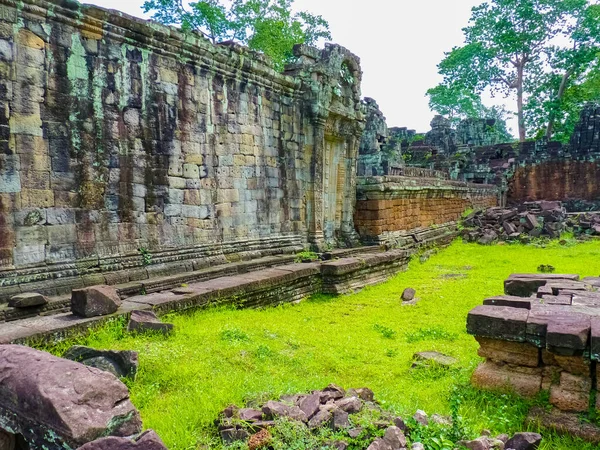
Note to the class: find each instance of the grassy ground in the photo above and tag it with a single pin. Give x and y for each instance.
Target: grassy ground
(222, 357)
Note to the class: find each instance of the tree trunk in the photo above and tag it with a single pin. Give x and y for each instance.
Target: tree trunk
(559, 96)
(520, 115)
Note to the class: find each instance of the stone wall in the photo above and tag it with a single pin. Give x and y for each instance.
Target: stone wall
(568, 181)
(118, 134)
(391, 207)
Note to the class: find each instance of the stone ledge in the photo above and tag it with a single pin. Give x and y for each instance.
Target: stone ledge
(266, 287)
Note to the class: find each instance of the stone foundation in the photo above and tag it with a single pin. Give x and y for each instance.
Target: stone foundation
(259, 288)
(396, 209)
(544, 334)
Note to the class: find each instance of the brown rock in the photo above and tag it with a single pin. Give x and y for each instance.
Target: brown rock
(364, 394)
(274, 409)
(524, 441)
(42, 395)
(249, 414)
(351, 405)
(339, 419)
(408, 294)
(395, 438)
(148, 440)
(147, 321)
(569, 400)
(310, 404)
(379, 444)
(95, 301)
(319, 419)
(335, 391)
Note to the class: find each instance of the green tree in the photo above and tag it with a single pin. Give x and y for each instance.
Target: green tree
(268, 26)
(511, 43)
(455, 103)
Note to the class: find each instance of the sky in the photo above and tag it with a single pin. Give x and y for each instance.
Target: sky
(399, 42)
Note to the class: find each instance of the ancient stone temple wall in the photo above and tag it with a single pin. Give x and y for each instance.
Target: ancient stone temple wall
(398, 210)
(118, 134)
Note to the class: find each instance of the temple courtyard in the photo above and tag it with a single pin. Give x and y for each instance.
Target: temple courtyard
(223, 356)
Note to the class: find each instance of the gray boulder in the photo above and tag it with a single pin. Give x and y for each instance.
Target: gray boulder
(120, 363)
(55, 403)
(95, 301)
(27, 300)
(408, 294)
(148, 440)
(274, 409)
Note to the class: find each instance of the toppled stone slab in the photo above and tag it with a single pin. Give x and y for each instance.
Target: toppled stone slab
(122, 363)
(564, 423)
(147, 321)
(27, 300)
(433, 358)
(148, 440)
(55, 402)
(95, 301)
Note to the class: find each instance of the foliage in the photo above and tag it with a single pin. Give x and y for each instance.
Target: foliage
(268, 26)
(145, 255)
(224, 356)
(306, 256)
(546, 268)
(523, 47)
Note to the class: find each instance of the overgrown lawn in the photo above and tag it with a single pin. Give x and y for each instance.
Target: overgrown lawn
(221, 357)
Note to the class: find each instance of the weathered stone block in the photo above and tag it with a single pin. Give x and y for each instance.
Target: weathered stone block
(498, 322)
(95, 301)
(521, 354)
(490, 375)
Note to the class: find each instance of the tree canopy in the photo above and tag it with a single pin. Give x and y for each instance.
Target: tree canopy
(542, 51)
(268, 26)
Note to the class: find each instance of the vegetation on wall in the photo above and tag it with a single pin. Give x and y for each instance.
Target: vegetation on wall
(544, 52)
(268, 26)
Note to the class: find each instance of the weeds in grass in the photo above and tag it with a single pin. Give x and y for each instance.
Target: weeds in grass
(216, 357)
(386, 332)
(430, 334)
(234, 335)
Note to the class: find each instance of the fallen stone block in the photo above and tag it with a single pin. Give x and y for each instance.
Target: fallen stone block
(27, 300)
(148, 440)
(274, 409)
(509, 300)
(95, 301)
(55, 403)
(564, 423)
(433, 358)
(122, 363)
(147, 321)
(566, 400)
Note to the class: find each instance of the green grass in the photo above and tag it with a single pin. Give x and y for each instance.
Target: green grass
(221, 357)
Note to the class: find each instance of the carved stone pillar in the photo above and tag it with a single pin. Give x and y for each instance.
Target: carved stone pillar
(348, 231)
(315, 228)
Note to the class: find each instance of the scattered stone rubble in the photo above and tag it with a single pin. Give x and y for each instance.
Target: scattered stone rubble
(528, 221)
(147, 322)
(544, 334)
(333, 408)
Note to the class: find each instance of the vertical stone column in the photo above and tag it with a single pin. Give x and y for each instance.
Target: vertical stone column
(348, 232)
(315, 230)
